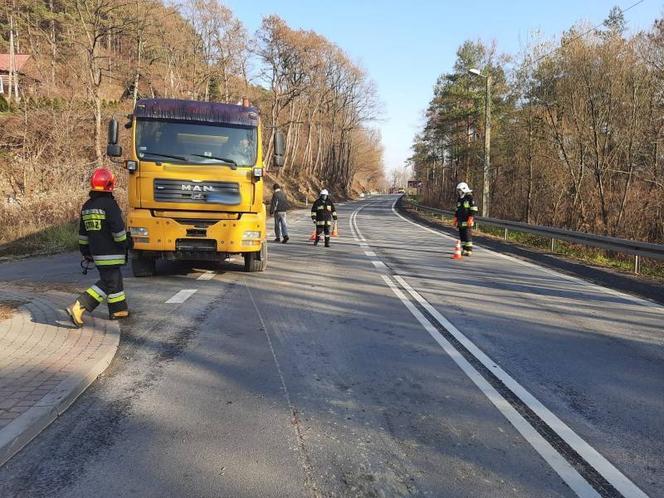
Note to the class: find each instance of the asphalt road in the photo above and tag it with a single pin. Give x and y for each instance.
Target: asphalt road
(378, 367)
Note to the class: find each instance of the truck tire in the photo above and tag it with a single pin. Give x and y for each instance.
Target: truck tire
(256, 261)
(143, 266)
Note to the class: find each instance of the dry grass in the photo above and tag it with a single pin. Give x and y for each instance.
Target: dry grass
(8, 307)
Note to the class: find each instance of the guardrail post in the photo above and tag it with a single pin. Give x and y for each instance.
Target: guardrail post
(637, 264)
(506, 234)
(553, 245)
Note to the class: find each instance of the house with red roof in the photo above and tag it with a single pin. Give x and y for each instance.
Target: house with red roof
(21, 65)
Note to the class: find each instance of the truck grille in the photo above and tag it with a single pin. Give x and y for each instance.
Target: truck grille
(199, 192)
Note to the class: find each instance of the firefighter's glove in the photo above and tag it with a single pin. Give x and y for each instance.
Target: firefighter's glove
(129, 244)
(456, 222)
(88, 259)
(471, 222)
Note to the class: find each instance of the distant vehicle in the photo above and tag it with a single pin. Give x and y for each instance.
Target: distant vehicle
(361, 195)
(401, 190)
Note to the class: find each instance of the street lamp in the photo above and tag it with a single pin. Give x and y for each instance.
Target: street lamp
(487, 139)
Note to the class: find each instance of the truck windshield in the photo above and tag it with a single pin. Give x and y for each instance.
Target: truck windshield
(195, 143)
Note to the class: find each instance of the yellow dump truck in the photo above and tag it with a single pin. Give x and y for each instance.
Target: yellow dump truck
(195, 182)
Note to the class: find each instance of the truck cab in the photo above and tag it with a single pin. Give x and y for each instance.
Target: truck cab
(195, 182)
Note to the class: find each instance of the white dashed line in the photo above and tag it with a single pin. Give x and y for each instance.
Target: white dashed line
(209, 275)
(181, 296)
(379, 264)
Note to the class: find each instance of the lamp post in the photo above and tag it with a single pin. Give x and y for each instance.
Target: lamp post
(487, 139)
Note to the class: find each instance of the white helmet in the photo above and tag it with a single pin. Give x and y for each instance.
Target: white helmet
(324, 192)
(463, 188)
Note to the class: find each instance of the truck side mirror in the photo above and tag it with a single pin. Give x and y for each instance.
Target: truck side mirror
(279, 149)
(112, 148)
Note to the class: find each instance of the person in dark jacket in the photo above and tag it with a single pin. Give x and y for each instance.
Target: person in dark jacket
(103, 240)
(323, 213)
(278, 207)
(463, 219)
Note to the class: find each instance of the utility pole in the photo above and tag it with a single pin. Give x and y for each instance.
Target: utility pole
(11, 56)
(487, 148)
(486, 189)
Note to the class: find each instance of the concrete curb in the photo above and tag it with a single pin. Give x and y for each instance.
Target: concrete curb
(16, 435)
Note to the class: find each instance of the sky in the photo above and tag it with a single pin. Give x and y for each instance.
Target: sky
(404, 46)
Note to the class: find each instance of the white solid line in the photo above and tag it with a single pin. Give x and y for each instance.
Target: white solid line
(209, 275)
(616, 478)
(181, 296)
(573, 479)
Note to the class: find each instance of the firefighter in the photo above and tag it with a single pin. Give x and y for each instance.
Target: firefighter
(463, 219)
(322, 214)
(103, 240)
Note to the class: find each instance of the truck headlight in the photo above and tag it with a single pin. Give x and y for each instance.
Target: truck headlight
(251, 235)
(138, 232)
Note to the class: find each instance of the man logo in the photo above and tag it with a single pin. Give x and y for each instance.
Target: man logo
(197, 188)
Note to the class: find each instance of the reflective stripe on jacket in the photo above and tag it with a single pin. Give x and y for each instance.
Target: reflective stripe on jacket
(465, 208)
(102, 233)
(323, 210)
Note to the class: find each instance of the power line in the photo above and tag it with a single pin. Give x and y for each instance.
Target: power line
(581, 35)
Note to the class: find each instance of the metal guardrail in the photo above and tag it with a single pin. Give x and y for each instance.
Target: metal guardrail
(625, 246)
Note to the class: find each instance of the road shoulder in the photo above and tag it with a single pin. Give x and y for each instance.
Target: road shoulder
(631, 284)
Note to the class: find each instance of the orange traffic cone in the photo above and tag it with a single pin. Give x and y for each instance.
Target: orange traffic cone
(335, 230)
(457, 251)
(313, 235)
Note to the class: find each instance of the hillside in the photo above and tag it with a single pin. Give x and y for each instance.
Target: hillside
(91, 59)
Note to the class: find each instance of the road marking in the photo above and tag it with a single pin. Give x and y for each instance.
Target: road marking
(371, 254)
(181, 296)
(379, 264)
(573, 479)
(208, 275)
(616, 478)
(552, 456)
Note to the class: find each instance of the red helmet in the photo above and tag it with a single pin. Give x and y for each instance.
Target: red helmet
(102, 180)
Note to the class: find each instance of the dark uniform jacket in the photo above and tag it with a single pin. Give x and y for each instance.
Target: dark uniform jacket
(323, 211)
(279, 202)
(465, 208)
(101, 233)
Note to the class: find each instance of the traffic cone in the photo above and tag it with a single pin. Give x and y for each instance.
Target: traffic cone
(335, 230)
(313, 235)
(457, 251)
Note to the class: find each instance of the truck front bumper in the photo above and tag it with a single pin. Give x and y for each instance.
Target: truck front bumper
(168, 235)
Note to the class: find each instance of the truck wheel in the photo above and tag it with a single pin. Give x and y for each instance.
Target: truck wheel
(256, 261)
(143, 266)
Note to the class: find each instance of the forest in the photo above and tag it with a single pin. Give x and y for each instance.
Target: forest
(92, 59)
(577, 130)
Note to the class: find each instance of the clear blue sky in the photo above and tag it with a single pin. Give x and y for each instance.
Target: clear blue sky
(405, 45)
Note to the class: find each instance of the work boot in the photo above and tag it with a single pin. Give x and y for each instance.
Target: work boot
(117, 315)
(277, 239)
(327, 242)
(75, 312)
(285, 239)
(316, 241)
